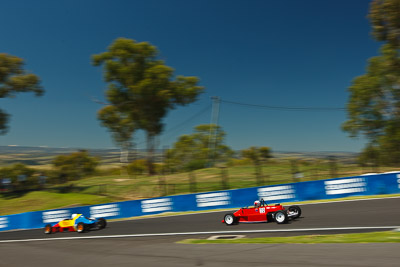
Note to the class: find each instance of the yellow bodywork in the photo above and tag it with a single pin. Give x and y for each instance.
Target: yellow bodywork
(69, 222)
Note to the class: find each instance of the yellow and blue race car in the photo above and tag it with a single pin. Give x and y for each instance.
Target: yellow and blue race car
(77, 223)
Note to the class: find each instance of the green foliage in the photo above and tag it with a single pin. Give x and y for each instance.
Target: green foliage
(195, 164)
(138, 166)
(75, 165)
(370, 156)
(195, 151)
(265, 152)
(239, 162)
(385, 17)
(120, 124)
(374, 105)
(14, 79)
(16, 170)
(256, 154)
(141, 88)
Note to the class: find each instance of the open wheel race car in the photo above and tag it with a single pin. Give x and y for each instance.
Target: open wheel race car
(261, 212)
(78, 223)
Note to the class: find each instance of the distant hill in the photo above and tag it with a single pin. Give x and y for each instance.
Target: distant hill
(44, 155)
(36, 156)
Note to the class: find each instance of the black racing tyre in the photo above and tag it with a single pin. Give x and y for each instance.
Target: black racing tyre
(101, 223)
(81, 227)
(281, 217)
(270, 217)
(230, 219)
(48, 229)
(294, 211)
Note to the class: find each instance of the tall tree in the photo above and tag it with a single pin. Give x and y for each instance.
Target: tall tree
(121, 127)
(14, 79)
(143, 87)
(374, 104)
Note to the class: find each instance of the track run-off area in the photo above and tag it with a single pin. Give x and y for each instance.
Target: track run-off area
(152, 241)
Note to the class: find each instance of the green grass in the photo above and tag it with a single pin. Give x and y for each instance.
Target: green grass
(40, 200)
(124, 187)
(374, 237)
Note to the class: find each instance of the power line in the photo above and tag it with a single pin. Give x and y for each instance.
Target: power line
(180, 125)
(287, 108)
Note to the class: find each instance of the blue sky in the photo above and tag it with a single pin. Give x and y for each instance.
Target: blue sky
(262, 52)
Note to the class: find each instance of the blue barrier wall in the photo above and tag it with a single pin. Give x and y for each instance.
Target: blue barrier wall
(388, 183)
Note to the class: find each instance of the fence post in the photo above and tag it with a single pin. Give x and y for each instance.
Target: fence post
(295, 169)
(224, 178)
(192, 181)
(162, 185)
(333, 167)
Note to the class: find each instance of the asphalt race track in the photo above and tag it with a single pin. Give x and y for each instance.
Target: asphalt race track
(151, 241)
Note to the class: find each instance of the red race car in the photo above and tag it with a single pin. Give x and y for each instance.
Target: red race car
(261, 212)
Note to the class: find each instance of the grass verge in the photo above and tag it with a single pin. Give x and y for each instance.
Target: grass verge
(373, 237)
(41, 200)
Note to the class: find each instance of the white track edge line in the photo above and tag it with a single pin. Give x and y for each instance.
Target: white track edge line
(199, 233)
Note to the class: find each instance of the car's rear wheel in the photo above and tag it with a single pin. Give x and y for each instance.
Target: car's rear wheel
(101, 223)
(80, 228)
(294, 212)
(230, 219)
(48, 229)
(281, 217)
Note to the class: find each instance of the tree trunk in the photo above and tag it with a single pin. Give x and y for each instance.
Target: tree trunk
(150, 153)
(124, 156)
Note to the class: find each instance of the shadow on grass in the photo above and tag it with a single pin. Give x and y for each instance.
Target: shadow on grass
(71, 188)
(64, 189)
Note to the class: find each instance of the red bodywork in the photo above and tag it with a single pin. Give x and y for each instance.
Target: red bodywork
(260, 214)
(56, 228)
(263, 213)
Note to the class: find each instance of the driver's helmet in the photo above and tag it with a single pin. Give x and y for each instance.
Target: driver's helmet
(256, 203)
(73, 215)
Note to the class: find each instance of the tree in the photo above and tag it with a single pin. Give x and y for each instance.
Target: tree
(385, 17)
(374, 105)
(265, 153)
(192, 151)
(257, 155)
(75, 165)
(121, 127)
(14, 79)
(253, 153)
(143, 87)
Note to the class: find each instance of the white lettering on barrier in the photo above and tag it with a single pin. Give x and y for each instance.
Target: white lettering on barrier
(101, 211)
(213, 199)
(277, 192)
(3, 222)
(398, 181)
(55, 216)
(154, 205)
(345, 186)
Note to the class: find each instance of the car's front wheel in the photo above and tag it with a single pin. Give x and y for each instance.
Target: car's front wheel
(48, 229)
(80, 228)
(230, 219)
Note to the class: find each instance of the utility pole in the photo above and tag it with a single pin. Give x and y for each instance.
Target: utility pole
(212, 142)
